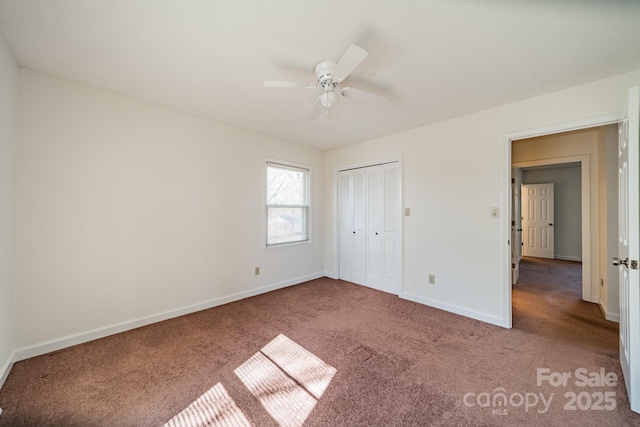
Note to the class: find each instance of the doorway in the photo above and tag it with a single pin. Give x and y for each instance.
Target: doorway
(594, 253)
(555, 295)
(583, 162)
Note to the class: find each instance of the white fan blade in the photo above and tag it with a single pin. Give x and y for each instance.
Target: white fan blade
(349, 61)
(289, 84)
(361, 95)
(315, 110)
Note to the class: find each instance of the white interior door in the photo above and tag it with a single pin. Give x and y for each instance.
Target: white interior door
(354, 244)
(392, 228)
(374, 227)
(537, 225)
(359, 262)
(345, 226)
(629, 248)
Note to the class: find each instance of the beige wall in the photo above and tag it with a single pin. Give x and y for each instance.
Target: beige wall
(9, 85)
(129, 213)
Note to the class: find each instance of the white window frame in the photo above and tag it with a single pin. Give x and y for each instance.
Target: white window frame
(307, 191)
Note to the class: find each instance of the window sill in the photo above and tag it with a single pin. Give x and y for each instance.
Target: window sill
(288, 246)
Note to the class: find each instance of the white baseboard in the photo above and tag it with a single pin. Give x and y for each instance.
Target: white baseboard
(494, 320)
(331, 275)
(6, 368)
(612, 317)
(568, 258)
(593, 299)
(75, 339)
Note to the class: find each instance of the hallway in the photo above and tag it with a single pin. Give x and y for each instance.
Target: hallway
(547, 302)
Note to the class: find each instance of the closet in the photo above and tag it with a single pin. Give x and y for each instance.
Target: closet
(370, 226)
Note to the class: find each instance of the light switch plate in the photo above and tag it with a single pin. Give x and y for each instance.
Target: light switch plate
(407, 212)
(495, 212)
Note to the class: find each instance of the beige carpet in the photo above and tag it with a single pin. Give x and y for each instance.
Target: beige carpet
(331, 353)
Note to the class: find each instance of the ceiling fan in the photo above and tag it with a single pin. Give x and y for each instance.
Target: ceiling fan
(329, 75)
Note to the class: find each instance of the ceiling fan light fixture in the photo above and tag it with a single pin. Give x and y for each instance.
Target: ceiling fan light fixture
(329, 99)
(330, 75)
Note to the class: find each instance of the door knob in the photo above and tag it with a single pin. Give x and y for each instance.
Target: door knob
(551, 225)
(618, 261)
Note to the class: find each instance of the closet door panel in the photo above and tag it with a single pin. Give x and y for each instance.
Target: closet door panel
(358, 270)
(345, 226)
(392, 232)
(374, 226)
(391, 198)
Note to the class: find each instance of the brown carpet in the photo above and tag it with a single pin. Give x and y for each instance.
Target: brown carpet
(547, 301)
(377, 361)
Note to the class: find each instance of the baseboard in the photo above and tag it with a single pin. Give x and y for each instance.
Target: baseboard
(593, 298)
(75, 339)
(568, 258)
(483, 317)
(6, 368)
(330, 275)
(612, 317)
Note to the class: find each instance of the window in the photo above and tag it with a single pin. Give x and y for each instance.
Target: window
(287, 203)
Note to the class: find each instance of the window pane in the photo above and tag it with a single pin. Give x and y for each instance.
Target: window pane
(286, 225)
(286, 186)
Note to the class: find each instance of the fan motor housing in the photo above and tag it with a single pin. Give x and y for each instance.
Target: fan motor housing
(324, 73)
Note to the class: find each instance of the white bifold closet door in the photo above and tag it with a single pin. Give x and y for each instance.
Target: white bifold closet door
(369, 222)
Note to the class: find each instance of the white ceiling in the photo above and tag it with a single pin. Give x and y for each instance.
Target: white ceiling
(432, 59)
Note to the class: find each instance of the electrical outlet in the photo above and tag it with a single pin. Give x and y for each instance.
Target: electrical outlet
(432, 279)
(257, 271)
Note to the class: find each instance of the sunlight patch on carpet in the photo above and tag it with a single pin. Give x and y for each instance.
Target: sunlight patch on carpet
(300, 364)
(287, 379)
(214, 408)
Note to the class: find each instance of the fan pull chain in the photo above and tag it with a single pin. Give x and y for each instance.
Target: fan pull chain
(326, 94)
